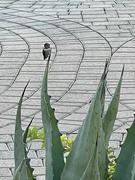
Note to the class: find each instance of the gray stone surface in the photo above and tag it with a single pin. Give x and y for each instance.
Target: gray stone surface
(82, 35)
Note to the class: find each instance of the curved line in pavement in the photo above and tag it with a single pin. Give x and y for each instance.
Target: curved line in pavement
(20, 70)
(21, 66)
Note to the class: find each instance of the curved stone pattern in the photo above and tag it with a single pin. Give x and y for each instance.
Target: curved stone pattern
(82, 34)
(71, 57)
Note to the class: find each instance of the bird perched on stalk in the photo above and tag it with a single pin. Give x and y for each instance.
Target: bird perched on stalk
(46, 51)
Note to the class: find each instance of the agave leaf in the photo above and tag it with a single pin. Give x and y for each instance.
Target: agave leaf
(54, 149)
(84, 142)
(103, 79)
(25, 134)
(102, 154)
(92, 170)
(111, 113)
(102, 149)
(29, 170)
(89, 136)
(19, 153)
(133, 169)
(125, 162)
(27, 160)
(17, 174)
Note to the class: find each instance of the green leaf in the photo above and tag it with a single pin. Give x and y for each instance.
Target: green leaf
(29, 170)
(43, 144)
(17, 174)
(32, 134)
(19, 152)
(27, 160)
(54, 149)
(125, 162)
(92, 171)
(42, 137)
(41, 134)
(90, 137)
(25, 134)
(133, 169)
(103, 79)
(111, 113)
(22, 165)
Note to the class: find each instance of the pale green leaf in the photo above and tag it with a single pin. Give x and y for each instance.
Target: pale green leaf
(54, 149)
(125, 161)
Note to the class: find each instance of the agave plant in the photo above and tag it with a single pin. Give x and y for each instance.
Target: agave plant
(88, 158)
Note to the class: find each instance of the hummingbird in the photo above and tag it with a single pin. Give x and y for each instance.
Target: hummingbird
(46, 50)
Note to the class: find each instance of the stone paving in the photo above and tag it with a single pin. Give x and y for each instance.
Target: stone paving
(82, 34)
